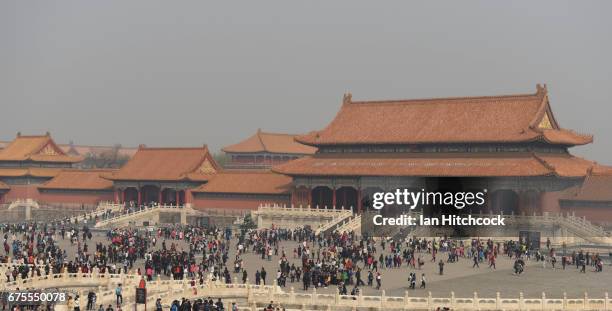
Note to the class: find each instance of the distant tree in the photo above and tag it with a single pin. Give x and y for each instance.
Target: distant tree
(111, 158)
(248, 223)
(221, 158)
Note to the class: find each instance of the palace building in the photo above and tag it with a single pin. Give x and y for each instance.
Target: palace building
(29, 161)
(510, 145)
(77, 187)
(263, 150)
(163, 175)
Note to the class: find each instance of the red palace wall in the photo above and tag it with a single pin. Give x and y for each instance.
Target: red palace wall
(550, 202)
(31, 192)
(75, 198)
(202, 202)
(21, 192)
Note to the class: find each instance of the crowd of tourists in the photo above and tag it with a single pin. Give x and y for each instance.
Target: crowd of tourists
(198, 254)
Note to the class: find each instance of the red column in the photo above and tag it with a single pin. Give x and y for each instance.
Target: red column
(309, 196)
(333, 198)
(160, 197)
(139, 196)
(116, 195)
(187, 196)
(177, 196)
(292, 197)
(123, 195)
(359, 194)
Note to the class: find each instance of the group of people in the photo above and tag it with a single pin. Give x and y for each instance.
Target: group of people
(199, 253)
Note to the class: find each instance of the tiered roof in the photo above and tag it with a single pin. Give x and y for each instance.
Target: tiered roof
(40, 148)
(4, 186)
(437, 165)
(271, 143)
(485, 119)
(79, 180)
(465, 120)
(247, 182)
(168, 164)
(45, 172)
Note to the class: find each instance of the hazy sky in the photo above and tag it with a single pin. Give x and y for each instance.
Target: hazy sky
(184, 73)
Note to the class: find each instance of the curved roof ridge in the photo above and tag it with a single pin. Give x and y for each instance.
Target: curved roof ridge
(575, 132)
(547, 165)
(303, 139)
(261, 141)
(463, 99)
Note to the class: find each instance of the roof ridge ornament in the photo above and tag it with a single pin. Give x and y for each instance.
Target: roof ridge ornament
(541, 88)
(347, 99)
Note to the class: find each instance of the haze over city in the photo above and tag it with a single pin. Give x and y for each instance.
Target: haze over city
(187, 73)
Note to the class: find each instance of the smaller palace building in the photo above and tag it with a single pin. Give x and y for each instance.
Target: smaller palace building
(163, 175)
(76, 187)
(263, 150)
(243, 190)
(30, 161)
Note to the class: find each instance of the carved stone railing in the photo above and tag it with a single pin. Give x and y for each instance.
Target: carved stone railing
(69, 280)
(334, 222)
(138, 213)
(256, 296)
(580, 227)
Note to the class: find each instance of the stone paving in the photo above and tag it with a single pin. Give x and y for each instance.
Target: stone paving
(459, 277)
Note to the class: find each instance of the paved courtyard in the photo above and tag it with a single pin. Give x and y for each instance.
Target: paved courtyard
(459, 277)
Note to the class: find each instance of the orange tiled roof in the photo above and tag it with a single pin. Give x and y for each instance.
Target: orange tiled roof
(443, 165)
(270, 142)
(247, 182)
(4, 186)
(79, 180)
(597, 186)
(32, 171)
(566, 165)
(168, 164)
(511, 118)
(35, 148)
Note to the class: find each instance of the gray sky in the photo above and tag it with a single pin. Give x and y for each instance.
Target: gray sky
(181, 73)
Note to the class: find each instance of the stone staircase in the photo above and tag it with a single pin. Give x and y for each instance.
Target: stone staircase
(102, 209)
(584, 229)
(141, 214)
(334, 223)
(320, 219)
(353, 224)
